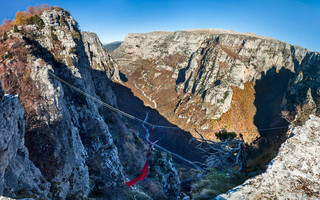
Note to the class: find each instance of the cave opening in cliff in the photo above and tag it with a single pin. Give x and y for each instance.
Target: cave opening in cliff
(269, 93)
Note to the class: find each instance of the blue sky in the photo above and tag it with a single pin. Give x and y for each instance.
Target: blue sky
(293, 21)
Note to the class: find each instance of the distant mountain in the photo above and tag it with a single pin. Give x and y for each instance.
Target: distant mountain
(112, 46)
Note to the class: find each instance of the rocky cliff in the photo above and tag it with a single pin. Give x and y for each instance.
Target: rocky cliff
(18, 175)
(241, 82)
(77, 148)
(293, 174)
(213, 79)
(58, 144)
(98, 57)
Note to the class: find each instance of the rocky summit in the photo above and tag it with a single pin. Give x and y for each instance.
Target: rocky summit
(58, 140)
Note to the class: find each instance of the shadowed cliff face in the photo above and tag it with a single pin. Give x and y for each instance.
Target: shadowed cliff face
(17, 171)
(269, 93)
(270, 90)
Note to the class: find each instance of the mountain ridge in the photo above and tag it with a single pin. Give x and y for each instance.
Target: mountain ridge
(217, 31)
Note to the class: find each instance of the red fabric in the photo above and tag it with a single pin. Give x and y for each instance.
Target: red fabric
(144, 171)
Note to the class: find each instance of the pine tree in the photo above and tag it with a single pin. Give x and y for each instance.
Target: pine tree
(15, 29)
(4, 36)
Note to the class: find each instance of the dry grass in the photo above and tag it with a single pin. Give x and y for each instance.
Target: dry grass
(231, 53)
(223, 65)
(303, 112)
(304, 184)
(173, 60)
(15, 76)
(241, 114)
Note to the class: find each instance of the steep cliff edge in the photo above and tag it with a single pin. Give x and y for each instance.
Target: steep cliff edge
(18, 175)
(98, 57)
(293, 174)
(80, 148)
(213, 79)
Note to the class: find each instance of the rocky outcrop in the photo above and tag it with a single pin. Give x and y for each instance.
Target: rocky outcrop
(164, 169)
(18, 175)
(68, 120)
(293, 174)
(302, 97)
(190, 77)
(77, 145)
(98, 57)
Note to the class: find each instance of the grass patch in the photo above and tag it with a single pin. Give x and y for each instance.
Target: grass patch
(216, 183)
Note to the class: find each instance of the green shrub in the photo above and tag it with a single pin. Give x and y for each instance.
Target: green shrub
(55, 188)
(216, 183)
(58, 58)
(57, 8)
(223, 135)
(7, 56)
(37, 21)
(27, 18)
(15, 29)
(72, 50)
(226, 94)
(4, 35)
(217, 120)
(62, 21)
(53, 36)
(75, 35)
(24, 193)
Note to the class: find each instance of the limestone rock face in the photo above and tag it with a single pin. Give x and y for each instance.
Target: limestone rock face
(68, 120)
(162, 165)
(293, 174)
(76, 145)
(190, 76)
(17, 173)
(98, 57)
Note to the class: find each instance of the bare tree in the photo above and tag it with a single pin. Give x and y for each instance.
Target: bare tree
(229, 153)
